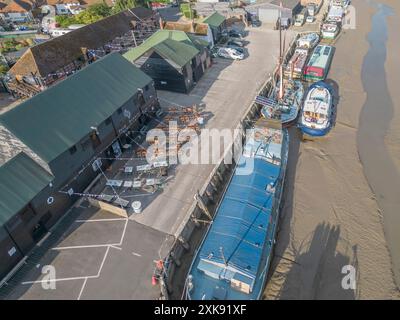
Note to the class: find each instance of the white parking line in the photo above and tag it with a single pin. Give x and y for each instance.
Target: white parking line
(86, 246)
(123, 233)
(102, 263)
(85, 278)
(73, 278)
(83, 287)
(59, 279)
(136, 254)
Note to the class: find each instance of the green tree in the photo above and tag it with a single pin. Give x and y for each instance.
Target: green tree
(3, 69)
(65, 21)
(92, 14)
(99, 9)
(121, 5)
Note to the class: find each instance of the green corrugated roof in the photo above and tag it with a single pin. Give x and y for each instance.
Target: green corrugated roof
(58, 118)
(215, 19)
(174, 45)
(21, 179)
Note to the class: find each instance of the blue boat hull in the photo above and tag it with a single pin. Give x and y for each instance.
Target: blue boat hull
(315, 132)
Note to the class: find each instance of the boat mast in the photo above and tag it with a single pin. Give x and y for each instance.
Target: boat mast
(280, 95)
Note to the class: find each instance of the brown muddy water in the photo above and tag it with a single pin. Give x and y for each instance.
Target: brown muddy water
(374, 122)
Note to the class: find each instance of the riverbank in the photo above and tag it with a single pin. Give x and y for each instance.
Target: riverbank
(393, 76)
(392, 139)
(330, 217)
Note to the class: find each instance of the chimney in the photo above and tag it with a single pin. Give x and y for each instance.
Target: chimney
(161, 24)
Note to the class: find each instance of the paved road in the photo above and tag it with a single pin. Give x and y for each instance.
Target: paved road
(226, 91)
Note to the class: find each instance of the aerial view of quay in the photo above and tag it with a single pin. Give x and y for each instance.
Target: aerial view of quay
(199, 150)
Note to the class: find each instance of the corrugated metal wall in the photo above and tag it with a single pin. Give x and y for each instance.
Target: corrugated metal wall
(268, 15)
(9, 253)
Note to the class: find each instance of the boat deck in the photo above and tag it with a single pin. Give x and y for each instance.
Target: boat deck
(233, 259)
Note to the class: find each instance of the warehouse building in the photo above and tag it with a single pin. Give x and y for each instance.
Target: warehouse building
(47, 63)
(24, 186)
(73, 127)
(268, 11)
(217, 23)
(174, 59)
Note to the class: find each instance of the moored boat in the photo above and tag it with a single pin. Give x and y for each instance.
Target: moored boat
(318, 65)
(316, 118)
(233, 260)
(285, 100)
(330, 30)
(308, 41)
(286, 108)
(295, 66)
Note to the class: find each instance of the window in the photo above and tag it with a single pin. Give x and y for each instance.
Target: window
(72, 150)
(108, 121)
(119, 110)
(96, 164)
(146, 88)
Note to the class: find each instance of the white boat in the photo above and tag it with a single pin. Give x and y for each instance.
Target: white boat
(316, 117)
(330, 30)
(335, 14)
(308, 41)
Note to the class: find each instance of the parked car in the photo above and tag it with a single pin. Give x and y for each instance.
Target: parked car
(238, 49)
(230, 53)
(235, 34)
(254, 21)
(310, 19)
(235, 42)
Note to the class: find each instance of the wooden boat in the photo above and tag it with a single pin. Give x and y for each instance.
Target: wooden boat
(295, 66)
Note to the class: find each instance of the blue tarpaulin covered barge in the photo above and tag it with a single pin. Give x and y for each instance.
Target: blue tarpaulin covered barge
(232, 261)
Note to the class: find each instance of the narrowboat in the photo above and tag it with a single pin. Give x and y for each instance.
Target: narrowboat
(318, 65)
(234, 256)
